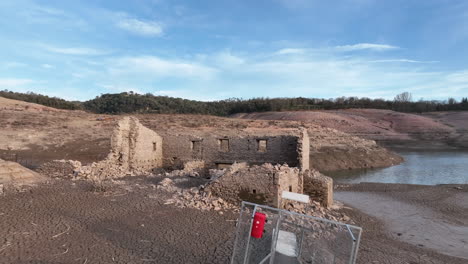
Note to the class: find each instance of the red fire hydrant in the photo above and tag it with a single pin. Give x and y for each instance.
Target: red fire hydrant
(258, 225)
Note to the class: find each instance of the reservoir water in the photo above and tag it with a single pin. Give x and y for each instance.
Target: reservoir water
(426, 168)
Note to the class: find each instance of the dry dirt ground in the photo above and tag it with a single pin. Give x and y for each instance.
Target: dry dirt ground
(403, 130)
(69, 222)
(409, 223)
(33, 134)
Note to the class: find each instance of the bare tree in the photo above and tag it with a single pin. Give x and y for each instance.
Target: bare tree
(403, 97)
(452, 101)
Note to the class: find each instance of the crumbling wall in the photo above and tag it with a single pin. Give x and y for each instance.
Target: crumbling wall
(219, 150)
(319, 187)
(303, 150)
(135, 146)
(134, 149)
(289, 180)
(259, 184)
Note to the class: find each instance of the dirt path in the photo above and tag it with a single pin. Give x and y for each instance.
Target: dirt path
(423, 224)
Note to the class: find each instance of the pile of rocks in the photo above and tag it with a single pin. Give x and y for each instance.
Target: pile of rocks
(193, 197)
(60, 168)
(314, 208)
(195, 168)
(106, 169)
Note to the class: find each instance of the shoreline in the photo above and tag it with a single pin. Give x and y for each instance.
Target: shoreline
(405, 223)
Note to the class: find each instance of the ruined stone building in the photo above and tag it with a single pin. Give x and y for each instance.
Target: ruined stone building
(261, 184)
(220, 149)
(272, 161)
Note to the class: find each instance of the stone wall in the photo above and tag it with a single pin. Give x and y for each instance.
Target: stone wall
(135, 149)
(220, 150)
(135, 146)
(303, 150)
(289, 180)
(319, 187)
(259, 184)
(12, 173)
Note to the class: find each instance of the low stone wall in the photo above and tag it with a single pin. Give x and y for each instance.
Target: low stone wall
(13, 174)
(60, 168)
(319, 187)
(259, 184)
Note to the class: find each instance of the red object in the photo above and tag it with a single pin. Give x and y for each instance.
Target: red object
(258, 225)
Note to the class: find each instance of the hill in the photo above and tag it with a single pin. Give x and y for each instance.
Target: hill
(396, 129)
(130, 102)
(33, 137)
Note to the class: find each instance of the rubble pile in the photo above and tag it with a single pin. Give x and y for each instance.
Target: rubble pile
(60, 168)
(193, 197)
(195, 168)
(314, 208)
(106, 169)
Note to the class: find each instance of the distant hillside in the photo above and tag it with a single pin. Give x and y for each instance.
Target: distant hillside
(149, 103)
(431, 130)
(41, 99)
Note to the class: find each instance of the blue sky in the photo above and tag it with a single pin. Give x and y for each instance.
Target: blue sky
(210, 50)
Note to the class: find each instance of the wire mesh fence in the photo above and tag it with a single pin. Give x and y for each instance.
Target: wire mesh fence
(290, 237)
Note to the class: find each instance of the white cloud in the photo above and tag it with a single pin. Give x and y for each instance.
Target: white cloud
(140, 27)
(312, 74)
(13, 82)
(290, 51)
(458, 77)
(12, 64)
(186, 94)
(73, 50)
(156, 67)
(366, 46)
(120, 88)
(47, 66)
(404, 60)
(227, 59)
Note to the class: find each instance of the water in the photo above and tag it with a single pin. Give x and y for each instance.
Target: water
(426, 168)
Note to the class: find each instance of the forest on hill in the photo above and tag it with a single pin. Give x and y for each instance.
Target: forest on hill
(129, 102)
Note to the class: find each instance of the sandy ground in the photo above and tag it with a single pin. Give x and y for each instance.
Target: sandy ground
(440, 130)
(409, 223)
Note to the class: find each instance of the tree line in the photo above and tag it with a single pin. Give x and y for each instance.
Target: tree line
(129, 102)
(31, 97)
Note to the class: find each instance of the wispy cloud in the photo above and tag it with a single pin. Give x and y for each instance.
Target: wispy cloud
(73, 50)
(287, 51)
(155, 67)
(13, 82)
(120, 88)
(12, 64)
(227, 59)
(141, 27)
(366, 46)
(186, 94)
(47, 66)
(403, 60)
(459, 77)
